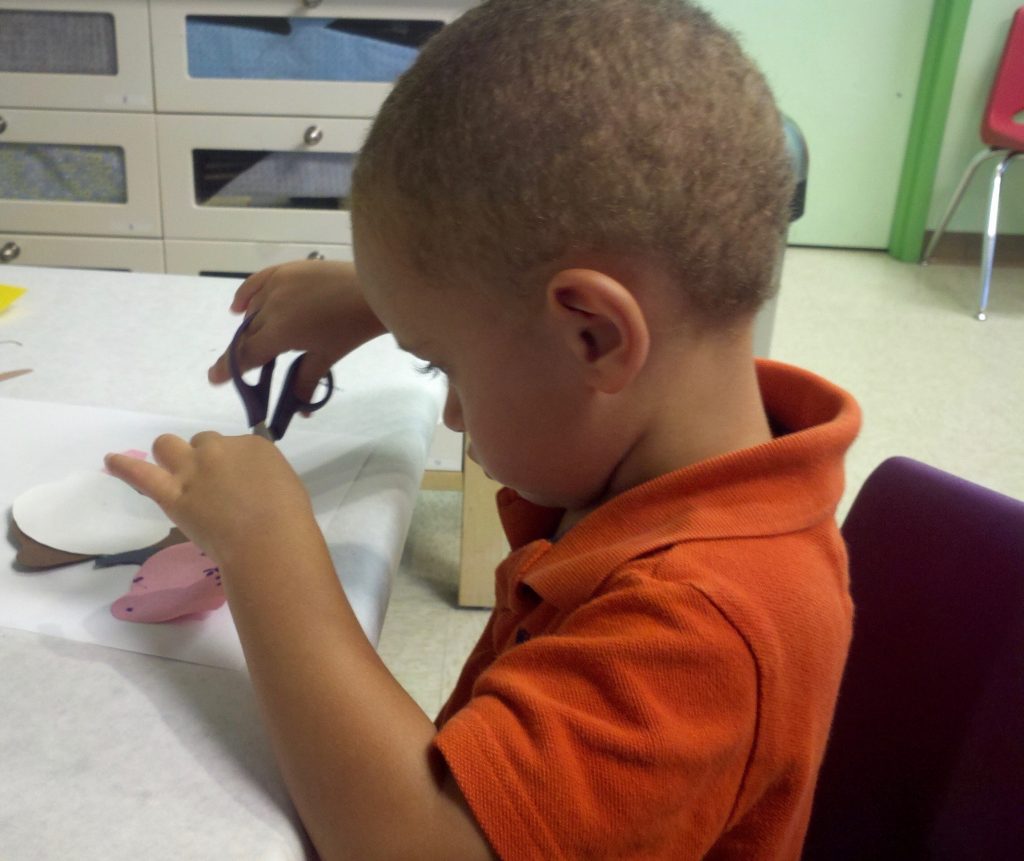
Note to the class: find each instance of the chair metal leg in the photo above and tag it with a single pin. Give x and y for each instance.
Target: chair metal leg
(988, 249)
(954, 202)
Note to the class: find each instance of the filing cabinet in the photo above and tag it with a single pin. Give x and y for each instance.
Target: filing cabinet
(267, 57)
(240, 259)
(78, 172)
(82, 252)
(78, 55)
(273, 179)
(214, 127)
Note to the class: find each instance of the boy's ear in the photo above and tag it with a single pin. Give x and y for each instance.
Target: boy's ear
(603, 325)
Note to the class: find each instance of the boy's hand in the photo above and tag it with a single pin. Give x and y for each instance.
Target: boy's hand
(227, 494)
(310, 305)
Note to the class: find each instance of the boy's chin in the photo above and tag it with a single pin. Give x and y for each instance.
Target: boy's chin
(471, 454)
(541, 499)
(553, 499)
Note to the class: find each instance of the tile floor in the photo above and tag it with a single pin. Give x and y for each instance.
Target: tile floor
(934, 383)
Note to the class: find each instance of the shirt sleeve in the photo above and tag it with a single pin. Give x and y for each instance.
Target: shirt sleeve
(624, 733)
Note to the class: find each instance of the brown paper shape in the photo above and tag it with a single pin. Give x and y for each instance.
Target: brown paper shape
(32, 554)
(139, 557)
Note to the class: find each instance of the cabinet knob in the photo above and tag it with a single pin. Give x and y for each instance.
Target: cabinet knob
(315, 255)
(9, 252)
(313, 135)
(311, 4)
(3, 125)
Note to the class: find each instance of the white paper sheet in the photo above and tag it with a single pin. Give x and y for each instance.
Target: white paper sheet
(41, 442)
(89, 512)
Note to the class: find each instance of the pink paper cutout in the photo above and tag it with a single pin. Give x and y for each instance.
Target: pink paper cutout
(175, 582)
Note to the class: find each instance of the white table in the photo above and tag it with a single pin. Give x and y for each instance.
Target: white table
(115, 753)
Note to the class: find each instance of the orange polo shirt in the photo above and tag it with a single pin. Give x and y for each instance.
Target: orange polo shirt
(659, 682)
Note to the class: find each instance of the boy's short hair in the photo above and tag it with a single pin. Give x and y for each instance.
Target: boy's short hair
(531, 129)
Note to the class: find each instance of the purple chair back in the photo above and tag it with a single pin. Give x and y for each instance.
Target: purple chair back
(926, 755)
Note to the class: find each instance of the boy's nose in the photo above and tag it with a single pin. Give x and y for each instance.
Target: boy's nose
(453, 412)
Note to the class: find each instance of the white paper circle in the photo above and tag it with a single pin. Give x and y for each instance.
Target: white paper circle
(91, 513)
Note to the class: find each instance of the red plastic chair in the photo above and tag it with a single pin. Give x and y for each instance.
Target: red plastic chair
(1004, 139)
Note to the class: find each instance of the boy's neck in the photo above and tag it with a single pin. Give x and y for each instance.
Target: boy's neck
(700, 405)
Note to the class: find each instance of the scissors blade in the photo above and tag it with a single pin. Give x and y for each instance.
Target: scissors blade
(261, 429)
(10, 375)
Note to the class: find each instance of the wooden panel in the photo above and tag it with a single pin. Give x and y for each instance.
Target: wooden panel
(483, 541)
(442, 479)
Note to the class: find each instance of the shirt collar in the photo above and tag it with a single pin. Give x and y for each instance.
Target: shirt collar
(786, 485)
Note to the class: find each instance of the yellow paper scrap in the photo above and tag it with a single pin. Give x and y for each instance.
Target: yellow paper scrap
(8, 293)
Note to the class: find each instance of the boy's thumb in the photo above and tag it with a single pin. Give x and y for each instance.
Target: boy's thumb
(220, 371)
(307, 381)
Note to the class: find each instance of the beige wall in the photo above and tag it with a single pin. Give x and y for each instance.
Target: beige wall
(847, 74)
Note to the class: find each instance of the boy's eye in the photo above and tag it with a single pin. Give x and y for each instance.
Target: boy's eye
(430, 369)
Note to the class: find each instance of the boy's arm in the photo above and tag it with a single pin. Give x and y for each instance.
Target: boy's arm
(355, 750)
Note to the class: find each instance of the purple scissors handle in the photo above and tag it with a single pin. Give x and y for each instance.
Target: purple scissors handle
(256, 397)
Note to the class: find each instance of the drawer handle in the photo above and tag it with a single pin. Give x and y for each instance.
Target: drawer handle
(3, 125)
(9, 252)
(311, 4)
(313, 135)
(315, 255)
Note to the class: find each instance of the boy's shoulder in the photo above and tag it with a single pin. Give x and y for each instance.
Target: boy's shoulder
(750, 534)
(695, 626)
(679, 648)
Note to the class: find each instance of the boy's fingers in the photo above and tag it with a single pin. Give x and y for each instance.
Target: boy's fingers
(256, 347)
(313, 368)
(220, 371)
(147, 478)
(171, 452)
(204, 438)
(249, 288)
(251, 351)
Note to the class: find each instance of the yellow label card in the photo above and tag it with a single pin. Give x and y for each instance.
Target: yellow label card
(8, 293)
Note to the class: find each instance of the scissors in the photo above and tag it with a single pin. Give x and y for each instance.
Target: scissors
(256, 398)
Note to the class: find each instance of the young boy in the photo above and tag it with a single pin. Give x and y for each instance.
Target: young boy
(573, 209)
